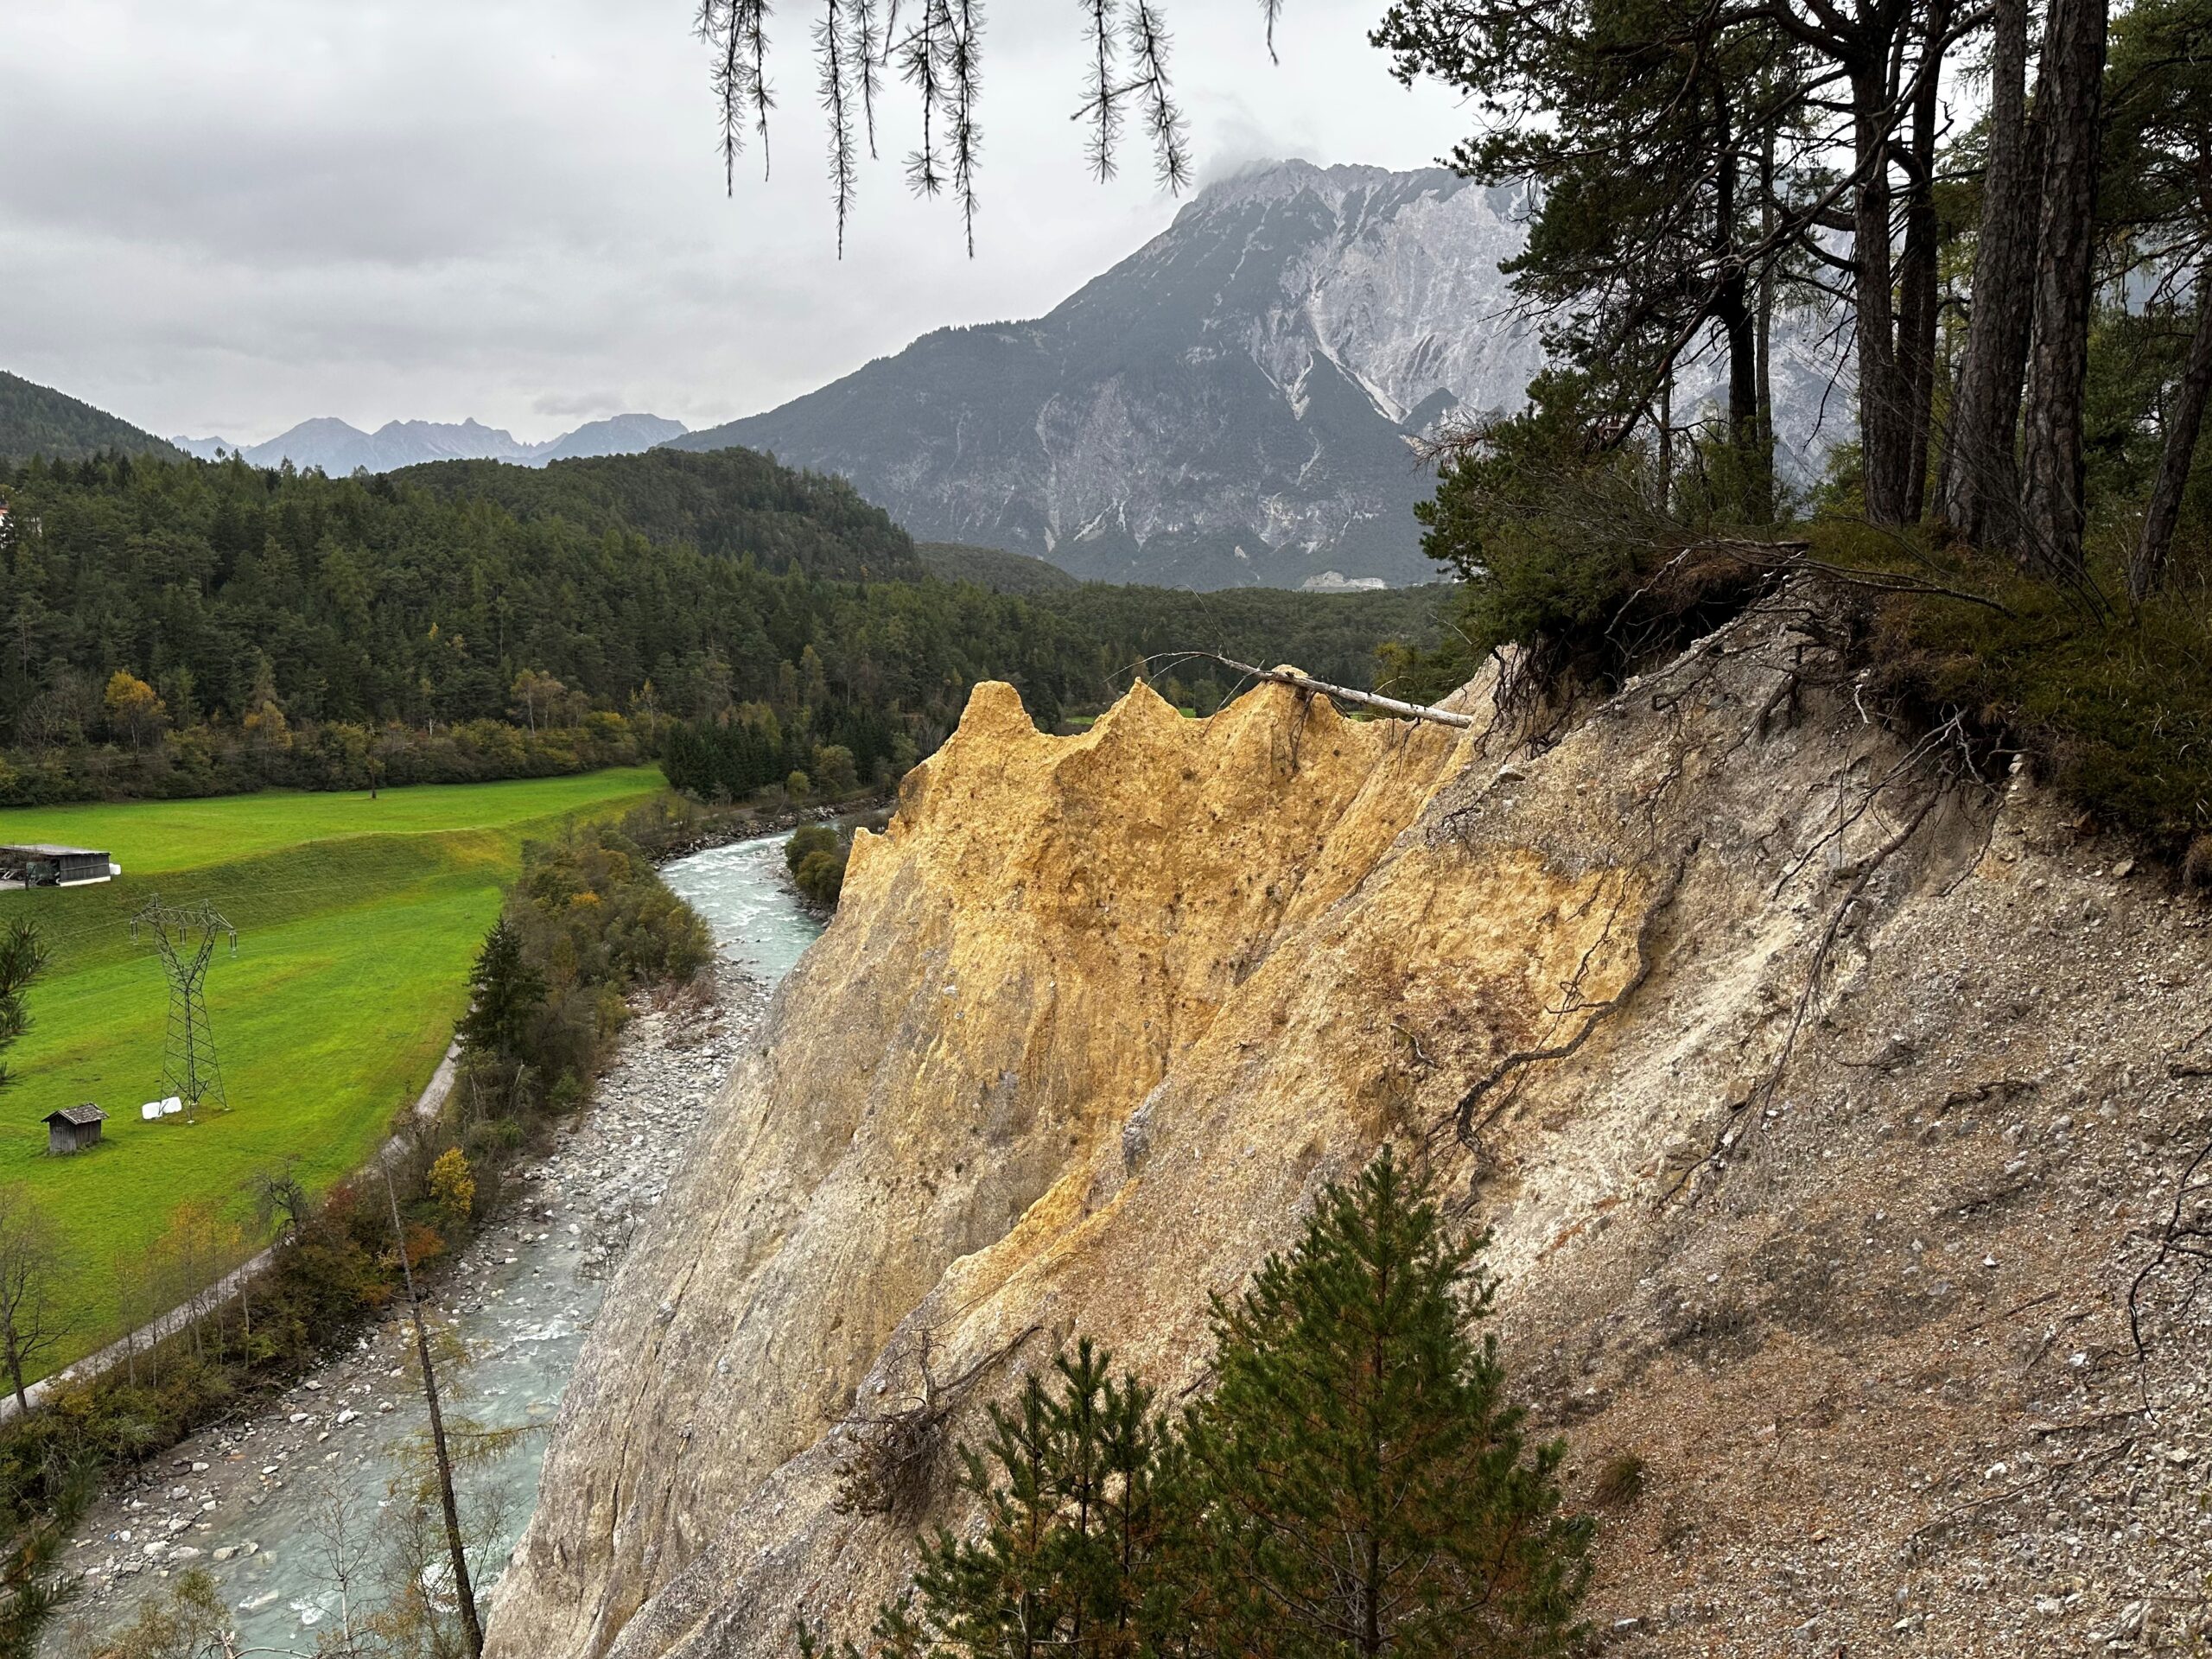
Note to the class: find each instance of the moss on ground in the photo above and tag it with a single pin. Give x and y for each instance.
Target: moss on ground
(2111, 705)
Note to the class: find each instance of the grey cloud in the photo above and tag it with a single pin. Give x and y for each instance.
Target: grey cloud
(562, 405)
(235, 217)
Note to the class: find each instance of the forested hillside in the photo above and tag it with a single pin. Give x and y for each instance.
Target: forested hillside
(993, 567)
(192, 628)
(735, 502)
(37, 420)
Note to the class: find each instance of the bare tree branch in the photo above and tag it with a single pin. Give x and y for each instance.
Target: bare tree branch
(1342, 693)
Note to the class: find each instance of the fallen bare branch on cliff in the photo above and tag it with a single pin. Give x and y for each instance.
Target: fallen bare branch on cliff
(1307, 684)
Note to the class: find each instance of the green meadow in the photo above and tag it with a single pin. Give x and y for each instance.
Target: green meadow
(358, 920)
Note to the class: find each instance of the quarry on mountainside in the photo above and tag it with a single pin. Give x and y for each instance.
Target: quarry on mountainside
(1828, 1103)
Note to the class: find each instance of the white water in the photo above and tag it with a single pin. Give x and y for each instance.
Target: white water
(741, 891)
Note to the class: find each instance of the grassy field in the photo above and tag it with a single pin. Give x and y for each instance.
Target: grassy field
(357, 923)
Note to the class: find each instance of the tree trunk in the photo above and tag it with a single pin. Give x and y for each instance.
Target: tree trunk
(1735, 317)
(2068, 97)
(1884, 403)
(14, 1367)
(1765, 343)
(1980, 492)
(2184, 421)
(1732, 310)
(456, 1549)
(1917, 272)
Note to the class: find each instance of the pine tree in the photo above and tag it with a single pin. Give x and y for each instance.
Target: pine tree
(508, 994)
(1365, 1485)
(1081, 1505)
(1355, 1484)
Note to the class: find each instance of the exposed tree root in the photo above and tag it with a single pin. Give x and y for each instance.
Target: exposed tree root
(2185, 1238)
(885, 1467)
(1791, 558)
(1762, 1093)
(1513, 1066)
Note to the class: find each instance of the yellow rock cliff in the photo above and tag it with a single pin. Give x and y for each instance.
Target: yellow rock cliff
(1743, 1023)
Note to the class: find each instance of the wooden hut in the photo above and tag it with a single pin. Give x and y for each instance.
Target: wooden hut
(73, 1129)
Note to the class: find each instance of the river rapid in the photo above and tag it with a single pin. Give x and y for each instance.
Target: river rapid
(271, 1505)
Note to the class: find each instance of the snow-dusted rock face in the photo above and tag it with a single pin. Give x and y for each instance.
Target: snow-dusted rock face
(1229, 405)
(1235, 402)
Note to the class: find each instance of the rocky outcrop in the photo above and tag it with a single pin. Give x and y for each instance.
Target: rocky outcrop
(1816, 1092)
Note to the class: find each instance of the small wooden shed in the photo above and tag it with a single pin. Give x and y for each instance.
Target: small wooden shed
(73, 1129)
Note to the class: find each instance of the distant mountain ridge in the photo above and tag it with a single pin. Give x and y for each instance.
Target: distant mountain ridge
(37, 420)
(339, 448)
(1237, 402)
(1233, 405)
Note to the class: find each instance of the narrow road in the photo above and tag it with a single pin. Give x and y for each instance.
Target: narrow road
(427, 1105)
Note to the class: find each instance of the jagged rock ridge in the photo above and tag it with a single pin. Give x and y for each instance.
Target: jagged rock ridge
(1817, 1094)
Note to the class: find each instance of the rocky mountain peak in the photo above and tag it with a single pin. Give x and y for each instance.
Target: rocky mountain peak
(1236, 403)
(1231, 405)
(1272, 181)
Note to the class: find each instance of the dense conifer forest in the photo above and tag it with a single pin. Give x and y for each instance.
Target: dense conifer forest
(37, 420)
(189, 627)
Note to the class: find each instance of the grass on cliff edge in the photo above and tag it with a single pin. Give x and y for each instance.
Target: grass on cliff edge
(2111, 703)
(2113, 707)
(358, 920)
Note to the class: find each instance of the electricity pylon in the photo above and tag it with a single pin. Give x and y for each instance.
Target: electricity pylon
(185, 936)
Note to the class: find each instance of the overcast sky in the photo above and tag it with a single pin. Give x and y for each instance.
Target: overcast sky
(222, 218)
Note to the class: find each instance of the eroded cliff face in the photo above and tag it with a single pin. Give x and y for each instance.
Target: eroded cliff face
(1817, 1104)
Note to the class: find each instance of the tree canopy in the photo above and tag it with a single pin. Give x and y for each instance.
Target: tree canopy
(1355, 1482)
(191, 626)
